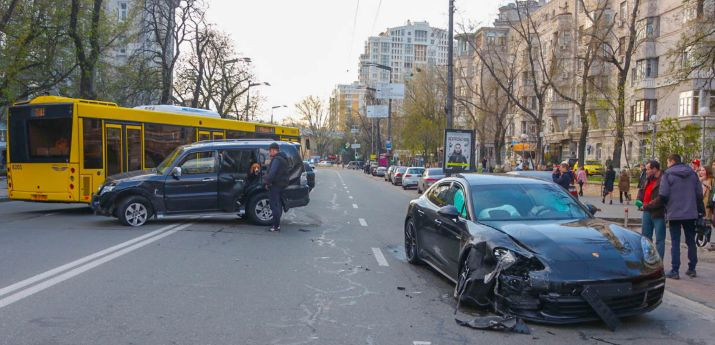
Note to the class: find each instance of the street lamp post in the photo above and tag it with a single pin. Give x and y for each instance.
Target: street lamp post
(450, 66)
(652, 136)
(274, 108)
(248, 94)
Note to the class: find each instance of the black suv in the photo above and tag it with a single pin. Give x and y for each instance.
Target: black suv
(204, 177)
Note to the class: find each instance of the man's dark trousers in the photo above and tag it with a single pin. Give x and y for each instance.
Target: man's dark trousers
(274, 194)
(689, 231)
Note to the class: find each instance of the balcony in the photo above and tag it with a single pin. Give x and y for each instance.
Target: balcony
(647, 83)
(558, 108)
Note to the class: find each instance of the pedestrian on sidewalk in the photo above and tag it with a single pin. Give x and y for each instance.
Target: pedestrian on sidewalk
(642, 178)
(653, 219)
(682, 193)
(695, 165)
(705, 174)
(562, 176)
(624, 186)
(608, 182)
(581, 178)
(276, 180)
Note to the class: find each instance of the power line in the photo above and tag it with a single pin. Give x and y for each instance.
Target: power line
(352, 39)
(377, 14)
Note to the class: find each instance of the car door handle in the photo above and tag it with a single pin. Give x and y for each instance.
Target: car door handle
(207, 179)
(438, 222)
(422, 213)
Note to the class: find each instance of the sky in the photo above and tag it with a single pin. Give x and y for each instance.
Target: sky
(306, 47)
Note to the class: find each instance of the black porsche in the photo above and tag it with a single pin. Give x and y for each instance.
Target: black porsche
(525, 247)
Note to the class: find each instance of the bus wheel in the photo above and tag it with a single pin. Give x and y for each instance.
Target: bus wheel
(134, 211)
(258, 209)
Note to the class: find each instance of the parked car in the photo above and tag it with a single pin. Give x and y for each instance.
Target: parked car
(389, 171)
(354, 165)
(397, 176)
(393, 173)
(325, 164)
(524, 247)
(544, 176)
(310, 164)
(412, 177)
(591, 167)
(204, 177)
(429, 177)
(380, 171)
(310, 175)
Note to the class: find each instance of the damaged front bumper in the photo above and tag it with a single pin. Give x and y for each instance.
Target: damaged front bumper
(534, 299)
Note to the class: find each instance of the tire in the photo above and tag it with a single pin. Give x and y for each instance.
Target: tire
(258, 209)
(419, 190)
(134, 211)
(403, 187)
(411, 245)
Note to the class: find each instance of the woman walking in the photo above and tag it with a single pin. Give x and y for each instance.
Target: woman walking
(624, 186)
(581, 178)
(705, 174)
(608, 182)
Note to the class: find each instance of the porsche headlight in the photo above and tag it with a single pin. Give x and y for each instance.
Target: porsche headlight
(504, 255)
(650, 255)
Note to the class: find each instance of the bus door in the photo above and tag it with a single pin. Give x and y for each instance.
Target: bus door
(217, 135)
(133, 148)
(204, 135)
(113, 149)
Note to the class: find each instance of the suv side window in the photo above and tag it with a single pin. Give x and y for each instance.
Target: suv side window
(437, 195)
(199, 163)
(237, 161)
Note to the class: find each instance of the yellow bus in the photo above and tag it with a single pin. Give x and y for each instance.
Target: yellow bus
(61, 149)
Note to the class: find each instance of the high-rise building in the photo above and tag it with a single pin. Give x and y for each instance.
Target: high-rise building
(402, 48)
(347, 103)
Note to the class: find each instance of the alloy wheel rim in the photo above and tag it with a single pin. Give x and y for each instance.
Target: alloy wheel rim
(263, 210)
(136, 214)
(410, 241)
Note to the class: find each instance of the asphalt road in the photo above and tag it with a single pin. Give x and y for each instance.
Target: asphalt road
(330, 277)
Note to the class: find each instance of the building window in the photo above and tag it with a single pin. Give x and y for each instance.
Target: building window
(688, 103)
(646, 68)
(624, 9)
(643, 109)
(523, 127)
(652, 27)
(123, 11)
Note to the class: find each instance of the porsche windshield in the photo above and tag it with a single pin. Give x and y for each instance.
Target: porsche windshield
(525, 202)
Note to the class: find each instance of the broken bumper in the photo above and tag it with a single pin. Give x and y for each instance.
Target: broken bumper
(563, 303)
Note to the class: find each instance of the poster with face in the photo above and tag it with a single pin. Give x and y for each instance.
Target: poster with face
(458, 148)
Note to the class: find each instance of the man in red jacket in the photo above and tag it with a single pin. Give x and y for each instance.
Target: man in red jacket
(653, 220)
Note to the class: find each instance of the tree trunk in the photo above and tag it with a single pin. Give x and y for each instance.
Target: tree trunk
(581, 154)
(620, 120)
(165, 85)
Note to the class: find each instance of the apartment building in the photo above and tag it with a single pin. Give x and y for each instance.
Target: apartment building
(563, 30)
(404, 49)
(347, 103)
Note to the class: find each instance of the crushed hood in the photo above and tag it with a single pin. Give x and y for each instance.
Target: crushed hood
(131, 176)
(579, 250)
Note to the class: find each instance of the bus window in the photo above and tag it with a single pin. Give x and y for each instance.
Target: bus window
(134, 148)
(230, 134)
(50, 138)
(160, 140)
(114, 149)
(92, 134)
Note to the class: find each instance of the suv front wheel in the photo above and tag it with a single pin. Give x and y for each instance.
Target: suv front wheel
(259, 209)
(134, 211)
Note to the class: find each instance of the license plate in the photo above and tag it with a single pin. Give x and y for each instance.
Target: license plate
(612, 289)
(40, 197)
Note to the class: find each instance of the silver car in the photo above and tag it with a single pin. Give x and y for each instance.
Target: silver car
(429, 177)
(411, 177)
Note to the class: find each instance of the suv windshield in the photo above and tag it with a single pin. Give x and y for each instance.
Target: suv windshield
(525, 202)
(168, 160)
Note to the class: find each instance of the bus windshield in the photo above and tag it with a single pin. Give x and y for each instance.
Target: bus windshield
(40, 134)
(161, 168)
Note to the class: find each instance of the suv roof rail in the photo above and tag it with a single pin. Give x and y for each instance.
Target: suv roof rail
(247, 139)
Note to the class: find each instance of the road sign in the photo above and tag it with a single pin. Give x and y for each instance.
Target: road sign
(377, 111)
(354, 130)
(388, 145)
(390, 91)
(355, 146)
(373, 157)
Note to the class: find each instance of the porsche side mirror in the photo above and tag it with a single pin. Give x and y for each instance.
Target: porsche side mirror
(592, 209)
(176, 172)
(449, 211)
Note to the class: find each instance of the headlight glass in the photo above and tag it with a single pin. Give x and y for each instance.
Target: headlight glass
(650, 255)
(105, 189)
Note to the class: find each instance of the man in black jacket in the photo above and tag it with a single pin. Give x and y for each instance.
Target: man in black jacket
(276, 180)
(562, 176)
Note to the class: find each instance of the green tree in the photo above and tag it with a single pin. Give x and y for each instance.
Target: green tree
(424, 116)
(672, 137)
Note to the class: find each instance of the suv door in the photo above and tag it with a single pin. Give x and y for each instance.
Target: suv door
(296, 194)
(234, 176)
(197, 187)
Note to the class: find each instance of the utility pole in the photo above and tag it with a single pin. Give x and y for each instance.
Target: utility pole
(450, 66)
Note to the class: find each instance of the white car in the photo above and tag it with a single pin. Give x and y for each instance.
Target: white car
(325, 164)
(412, 177)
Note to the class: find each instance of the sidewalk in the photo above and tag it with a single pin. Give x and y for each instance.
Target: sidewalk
(3, 188)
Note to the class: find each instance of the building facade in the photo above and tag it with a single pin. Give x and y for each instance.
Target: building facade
(347, 103)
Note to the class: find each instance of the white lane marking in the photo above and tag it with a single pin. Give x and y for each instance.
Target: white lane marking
(52, 272)
(362, 222)
(354, 205)
(84, 268)
(418, 342)
(379, 257)
(350, 196)
(341, 178)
